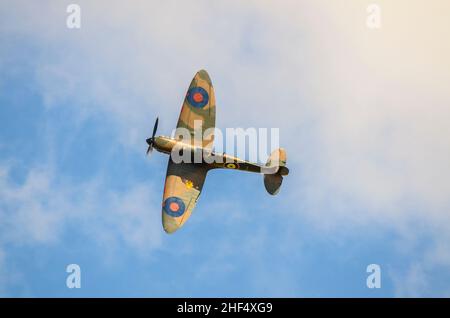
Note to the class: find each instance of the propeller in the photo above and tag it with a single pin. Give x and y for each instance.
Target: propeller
(151, 140)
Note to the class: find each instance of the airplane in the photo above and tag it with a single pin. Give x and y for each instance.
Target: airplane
(185, 179)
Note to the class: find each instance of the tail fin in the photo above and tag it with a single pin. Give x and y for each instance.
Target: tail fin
(276, 169)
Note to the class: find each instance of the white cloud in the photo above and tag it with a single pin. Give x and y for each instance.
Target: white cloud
(411, 284)
(39, 210)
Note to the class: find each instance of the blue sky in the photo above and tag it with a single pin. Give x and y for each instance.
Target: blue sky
(363, 115)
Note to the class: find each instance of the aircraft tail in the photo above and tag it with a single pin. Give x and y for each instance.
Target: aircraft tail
(275, 170)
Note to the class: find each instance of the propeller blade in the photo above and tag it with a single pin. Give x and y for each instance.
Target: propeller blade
(151, 140)
(155, 127)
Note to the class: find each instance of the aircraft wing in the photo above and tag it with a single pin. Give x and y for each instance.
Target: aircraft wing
(184, 182)
(199, 105)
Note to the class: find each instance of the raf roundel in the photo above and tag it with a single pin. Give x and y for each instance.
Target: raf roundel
(174, 206)
(198, 97)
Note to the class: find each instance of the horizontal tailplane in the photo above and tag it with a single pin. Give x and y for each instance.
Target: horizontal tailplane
(275, 170)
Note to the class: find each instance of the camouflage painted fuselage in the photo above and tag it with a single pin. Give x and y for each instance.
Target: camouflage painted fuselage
(208, 159)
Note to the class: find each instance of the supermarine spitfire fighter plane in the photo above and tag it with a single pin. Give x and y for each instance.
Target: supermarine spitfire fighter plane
(184, 180)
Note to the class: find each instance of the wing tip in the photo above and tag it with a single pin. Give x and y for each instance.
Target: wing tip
(169, 227)
(203, 74)
(169, 223)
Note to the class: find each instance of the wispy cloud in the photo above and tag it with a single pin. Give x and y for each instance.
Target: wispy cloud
(40, 211)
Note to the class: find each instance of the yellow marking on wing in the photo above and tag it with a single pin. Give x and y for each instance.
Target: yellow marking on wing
(189, 184)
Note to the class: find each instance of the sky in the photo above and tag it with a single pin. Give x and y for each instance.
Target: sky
(363, 113)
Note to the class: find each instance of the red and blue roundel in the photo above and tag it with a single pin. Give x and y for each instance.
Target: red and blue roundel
(174, 206)
(197, 97)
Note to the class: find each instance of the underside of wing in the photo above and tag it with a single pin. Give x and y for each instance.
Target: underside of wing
(199, 108)
(184, 183)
